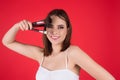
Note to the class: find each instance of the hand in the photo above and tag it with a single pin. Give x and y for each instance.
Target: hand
(24, 25)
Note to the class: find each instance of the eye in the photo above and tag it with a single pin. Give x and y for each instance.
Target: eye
(60, 26)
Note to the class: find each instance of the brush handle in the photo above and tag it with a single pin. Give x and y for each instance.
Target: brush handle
(40, 23)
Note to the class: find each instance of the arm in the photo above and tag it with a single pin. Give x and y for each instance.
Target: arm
(9, 41)
(89, 65)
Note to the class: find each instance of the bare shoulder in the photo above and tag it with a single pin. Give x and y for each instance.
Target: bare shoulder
(77, 54)
(80, 58)
(74, 46)
(75, 50)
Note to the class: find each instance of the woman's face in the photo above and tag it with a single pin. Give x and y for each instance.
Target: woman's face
(57, 31)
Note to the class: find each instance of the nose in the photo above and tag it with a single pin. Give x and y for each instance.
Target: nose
(54, 31)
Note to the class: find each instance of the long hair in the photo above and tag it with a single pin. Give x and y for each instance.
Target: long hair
(66, 43)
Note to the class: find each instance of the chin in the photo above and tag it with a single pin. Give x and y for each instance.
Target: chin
(56, 42)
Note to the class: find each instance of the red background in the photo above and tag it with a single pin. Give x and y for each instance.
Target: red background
(96, 30)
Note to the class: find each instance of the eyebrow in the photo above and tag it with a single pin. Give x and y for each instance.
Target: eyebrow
(61, 24)
(51, 25)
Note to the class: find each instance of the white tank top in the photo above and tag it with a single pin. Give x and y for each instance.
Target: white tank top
(61, 74)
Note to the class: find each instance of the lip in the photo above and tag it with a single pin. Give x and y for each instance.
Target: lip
(55, 37)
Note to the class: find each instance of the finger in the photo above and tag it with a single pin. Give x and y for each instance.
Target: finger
(21, 27)
(30, 25)
(26, 24)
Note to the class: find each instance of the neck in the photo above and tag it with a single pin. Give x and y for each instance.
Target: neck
(56, 49)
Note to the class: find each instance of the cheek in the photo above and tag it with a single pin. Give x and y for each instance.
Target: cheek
(64, 33)
(48, 36)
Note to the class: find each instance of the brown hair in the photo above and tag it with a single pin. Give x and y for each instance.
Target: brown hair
(66, 43)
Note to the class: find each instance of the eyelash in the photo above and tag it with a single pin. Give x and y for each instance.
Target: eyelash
(60, 27)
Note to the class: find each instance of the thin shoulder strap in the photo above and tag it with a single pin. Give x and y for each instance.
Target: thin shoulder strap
(41, 61)
(66, 58)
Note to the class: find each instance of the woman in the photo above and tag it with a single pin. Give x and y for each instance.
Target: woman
(59, 60)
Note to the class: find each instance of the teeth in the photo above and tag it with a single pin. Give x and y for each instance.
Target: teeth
(55, 37)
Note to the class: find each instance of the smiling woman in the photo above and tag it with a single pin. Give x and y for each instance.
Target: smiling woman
(57, 29)
(59, 60)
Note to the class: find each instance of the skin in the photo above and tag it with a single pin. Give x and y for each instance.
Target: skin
(57, 32)
(56, 35)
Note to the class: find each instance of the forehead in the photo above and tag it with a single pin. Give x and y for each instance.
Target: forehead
(56, 19)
